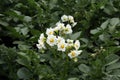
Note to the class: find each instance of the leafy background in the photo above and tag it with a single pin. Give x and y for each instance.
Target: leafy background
(98, 29)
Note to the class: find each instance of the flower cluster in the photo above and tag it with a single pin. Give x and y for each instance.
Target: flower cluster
(56, 37)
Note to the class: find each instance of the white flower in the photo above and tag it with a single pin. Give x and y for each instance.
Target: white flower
(60, 26)
(42, 37)
(69, 42)
(62, 46)
(64, 18)
(68, 29)
(56, 29)
(77, 44)
(41, 45)
(75, 59)
(71, 19)
(51, 40)
(60, 39)
(74, 53)
(50, 31)
(74, 24)
(41, 41)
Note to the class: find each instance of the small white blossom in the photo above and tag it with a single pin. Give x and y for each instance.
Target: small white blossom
(41, 41)
(56, 28)
(68, 29)
(75, 59)
(42, 37)
(62, 46)
(74, 53)
(71, 19)
(50, 31)
(60, 26)
(74, 24)
(77, 44)
(41, 45)
(64, 18)
(51, 40)
(60, 39)
(69, 42)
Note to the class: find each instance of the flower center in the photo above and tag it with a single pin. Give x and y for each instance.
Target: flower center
(51, 32)
(76, 45)
(62, 46)
(51, 40)
(72, 53)
(66, 29)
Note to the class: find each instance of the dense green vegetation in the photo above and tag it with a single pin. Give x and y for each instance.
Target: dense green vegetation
(97, 29)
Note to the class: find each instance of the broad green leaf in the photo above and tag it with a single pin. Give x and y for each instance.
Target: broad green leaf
(116, 72)
(75, 35)
(110, 9)
(104, 37)
(4, 23)
(84, 68)
(82, 3)
(73, 79)
(24, 73)
(84, 40)
(23, 55)
(113, 23)
(24, 30)
(112, 58)
(27, 18)
(16, 15)
(113, 66)
(95, 31)
(23, 61)
(2, 62)
(105, 24)
(1, 14)
(13, 33)
(23, 47)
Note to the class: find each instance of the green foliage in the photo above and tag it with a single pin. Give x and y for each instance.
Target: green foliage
(98, 29)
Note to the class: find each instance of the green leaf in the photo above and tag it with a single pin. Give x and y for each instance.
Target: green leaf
(23, 61)
(112, 58)
(84, 40)
(27, 18)
(113, 23)
(110, 9)
(95, 31)
(75, 35)
(116, 72)
(104, 24)
(2, 62)
(25, 31)
(24, 73)
(23, 47)
(4, 23)
(104, 37)
(73, 79)
(84, 68)
(113, 66)
(82, 3)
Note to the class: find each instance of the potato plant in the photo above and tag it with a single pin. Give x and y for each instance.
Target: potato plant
(59, 39)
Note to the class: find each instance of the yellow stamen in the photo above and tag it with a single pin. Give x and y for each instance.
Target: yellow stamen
(51, 40)
(62, 46)
(73, 53)
(76, 45)
(51, 32)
